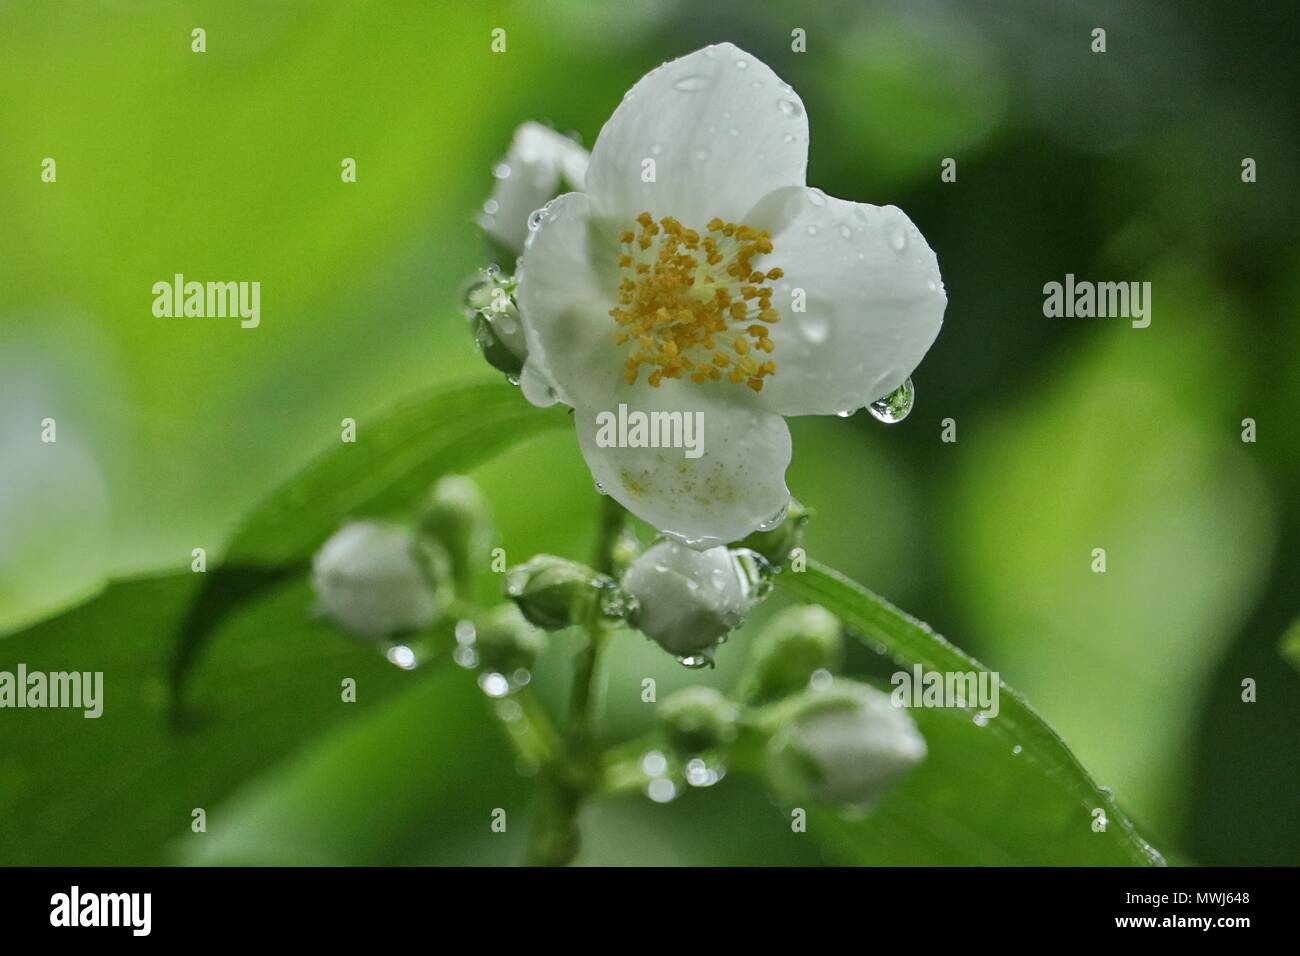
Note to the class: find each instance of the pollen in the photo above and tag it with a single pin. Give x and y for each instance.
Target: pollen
(691, 303)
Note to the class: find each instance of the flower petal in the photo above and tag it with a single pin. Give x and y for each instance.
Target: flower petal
(722, 129)
(539, 165)
(874, 300)
(735, 485)
(567, 279)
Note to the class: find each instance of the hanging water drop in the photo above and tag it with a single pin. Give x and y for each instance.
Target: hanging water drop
(790, 107)
(895, 406)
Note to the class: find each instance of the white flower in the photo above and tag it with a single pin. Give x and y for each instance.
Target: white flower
(698, 272)
(846, 744)
(687, 600)
(539, 165)
(367, 579)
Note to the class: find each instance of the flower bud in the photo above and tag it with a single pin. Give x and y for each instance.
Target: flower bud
(697, 719)
(846, 744)
(366, 578)
(776, 544)
(539, 165)
(506, 642)
(688, 600)
(555, 593)
(491, 307)
(455, 529)
(792, 645)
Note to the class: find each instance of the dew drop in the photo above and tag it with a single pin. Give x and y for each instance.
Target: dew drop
(494, 684)
(401, 656)
(535, 220)
(692, 84)
(898, 239)
(696, 661)
(895, 406)
(491, 206)
(1016, 750)
(846, 232)
(661, 790)
(812, 230)
(742, 64)
(733, 131)
(501, 170)
(790, 107)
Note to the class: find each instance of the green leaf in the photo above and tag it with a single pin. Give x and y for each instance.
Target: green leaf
(115, 789)
(393, 461)
(1007, 792)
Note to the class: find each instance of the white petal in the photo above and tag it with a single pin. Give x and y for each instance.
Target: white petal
(568, 277)
(539, 165)
(874, 300)
(721, 129)
(734, 486)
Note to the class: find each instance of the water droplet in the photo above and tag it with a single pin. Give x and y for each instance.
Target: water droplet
(790, 107)
(661, 790)
(895, 406)
(614, 602)
(501, 170)
(494, 684)
(654, 763)
(466, 657)
(600, 489)
(700, 773)
(812, 230)
(697, 661)
(1015, 751)
(401, 656)
(821, 679)
(787, 138)
(733, 131)
(814, 329)
(898, 238)
(742, 64)
(846, 412)
(979, 720)
(776, 518)
(846, 232)
(535, 220)
(465, 633)
(692, 84)
(491, 206)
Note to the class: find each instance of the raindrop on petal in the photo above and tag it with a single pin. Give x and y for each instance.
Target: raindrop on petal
(895, 406)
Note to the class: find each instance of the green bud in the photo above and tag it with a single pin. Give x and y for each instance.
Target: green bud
(698, 719)
(793, 644)
(455, 529)
(554, 593)
(846, 744)
(775, 545)
(494, 317)
(506, 642)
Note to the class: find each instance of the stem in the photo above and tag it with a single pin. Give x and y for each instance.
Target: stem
(576, 772)
(613, 519)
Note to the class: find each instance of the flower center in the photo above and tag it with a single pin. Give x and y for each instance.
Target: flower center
(693, 305)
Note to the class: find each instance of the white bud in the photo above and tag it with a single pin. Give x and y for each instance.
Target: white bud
(539, 165)
(366, 578)
(686, 599)
(846, 744)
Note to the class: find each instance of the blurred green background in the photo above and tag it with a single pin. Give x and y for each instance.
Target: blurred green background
(1072, 434)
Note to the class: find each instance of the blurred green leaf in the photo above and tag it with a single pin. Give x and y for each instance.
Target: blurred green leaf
(1007, 792)
(113, 790)
(394, 459)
